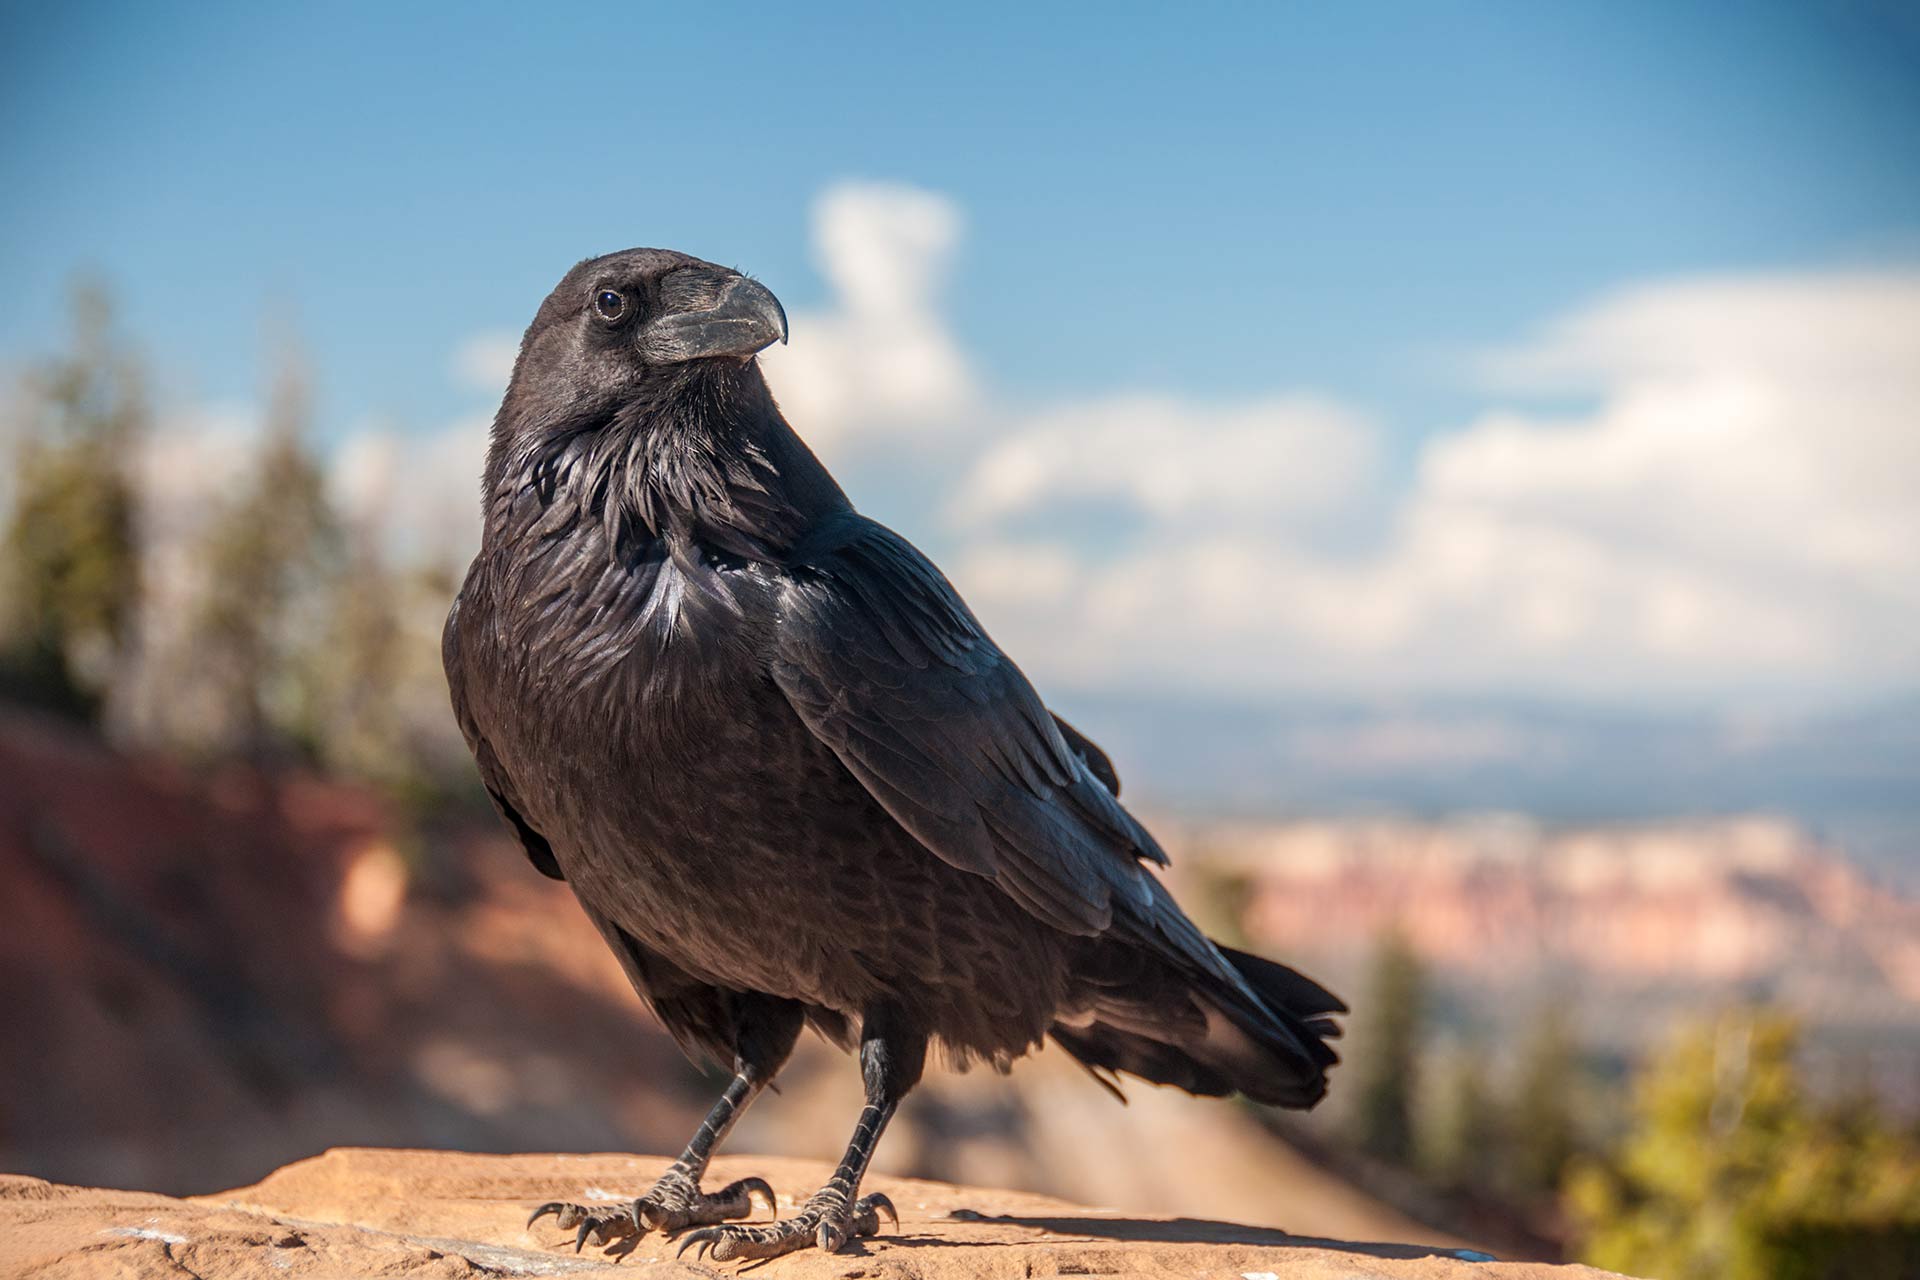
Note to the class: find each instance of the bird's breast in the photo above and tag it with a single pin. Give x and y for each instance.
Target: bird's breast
(619, 669)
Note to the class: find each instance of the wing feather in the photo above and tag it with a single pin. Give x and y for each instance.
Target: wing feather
(499, 786)
(887, 666)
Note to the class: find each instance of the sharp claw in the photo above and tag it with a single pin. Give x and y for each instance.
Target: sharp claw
(580, 1241)
(759, 1187)
(639, 1227)
(703, 1238)
(550, 1207)
(879, 1201)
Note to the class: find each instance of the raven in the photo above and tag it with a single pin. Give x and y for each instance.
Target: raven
(787, 774)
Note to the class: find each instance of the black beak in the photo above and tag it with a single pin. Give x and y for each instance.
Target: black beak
(746, 319)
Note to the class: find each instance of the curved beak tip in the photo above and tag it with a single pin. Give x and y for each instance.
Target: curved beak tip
(779, 311)
(746, 319)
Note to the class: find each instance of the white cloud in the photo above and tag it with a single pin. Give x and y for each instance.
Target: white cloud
(1827, 327)
(187, 463)
(1762, 424)
(1740, 511)
(418, 491)
(484, 363)
(880, 360)
(1244, 465)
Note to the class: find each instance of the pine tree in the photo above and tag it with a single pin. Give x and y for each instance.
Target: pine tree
(360, 669)
(267, 559)
(1387, 1039)
(71, 550)
(1541, 1122)
(1463, 1137)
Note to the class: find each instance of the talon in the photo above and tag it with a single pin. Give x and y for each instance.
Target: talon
(704, 1238)
(580, 1241)
(759, 1187)
(879, 1201)
(553, 1207)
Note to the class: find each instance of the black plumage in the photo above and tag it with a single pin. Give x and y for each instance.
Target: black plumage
(786, 772)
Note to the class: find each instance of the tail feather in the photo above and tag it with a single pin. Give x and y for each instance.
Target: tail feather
(1205, 1037)
(1106, 1050)
(1290, 992)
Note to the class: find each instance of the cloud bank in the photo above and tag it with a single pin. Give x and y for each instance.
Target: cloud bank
(1738, 514)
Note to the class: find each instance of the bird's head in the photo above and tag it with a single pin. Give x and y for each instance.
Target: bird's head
(636, 391)
(618, 324)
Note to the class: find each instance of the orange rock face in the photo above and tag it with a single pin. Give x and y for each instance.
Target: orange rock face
(358, 1213)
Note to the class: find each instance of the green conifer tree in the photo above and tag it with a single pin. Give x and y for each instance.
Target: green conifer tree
(267, 558)
(1387, 1039)
(1541, 1122)
(71, 567)
(1463, 1137)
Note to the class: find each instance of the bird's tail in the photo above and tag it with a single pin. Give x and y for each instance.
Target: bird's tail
(1203, 1034)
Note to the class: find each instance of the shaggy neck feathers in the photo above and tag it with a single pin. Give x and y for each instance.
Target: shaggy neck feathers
(700, 461)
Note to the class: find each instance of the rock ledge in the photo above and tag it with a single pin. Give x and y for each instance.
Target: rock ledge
(356, 1212)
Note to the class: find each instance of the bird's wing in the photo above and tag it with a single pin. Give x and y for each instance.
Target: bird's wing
(888, 667)
(1090, 754)
(492, 775)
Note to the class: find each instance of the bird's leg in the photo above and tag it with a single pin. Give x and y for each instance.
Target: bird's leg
(676, 1200)
(891, 1058)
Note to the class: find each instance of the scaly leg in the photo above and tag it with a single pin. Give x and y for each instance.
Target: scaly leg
(891, 1058)
(676, 1200)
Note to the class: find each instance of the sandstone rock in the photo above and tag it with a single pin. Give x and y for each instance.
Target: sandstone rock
(360, 1213)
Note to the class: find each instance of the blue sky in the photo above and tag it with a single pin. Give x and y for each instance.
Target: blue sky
(1212, 207)
(1210, 198)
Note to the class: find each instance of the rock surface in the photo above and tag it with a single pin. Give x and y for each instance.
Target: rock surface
(358, 1213)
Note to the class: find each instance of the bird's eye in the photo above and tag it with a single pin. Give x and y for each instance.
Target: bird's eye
(609, 304)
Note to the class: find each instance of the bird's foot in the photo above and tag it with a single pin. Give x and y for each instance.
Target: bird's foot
(827, 1220)
(675, 1203)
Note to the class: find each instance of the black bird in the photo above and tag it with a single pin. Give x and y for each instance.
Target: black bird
(787, 774)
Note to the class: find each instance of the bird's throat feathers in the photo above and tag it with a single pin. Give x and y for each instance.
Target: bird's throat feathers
(698, 458)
